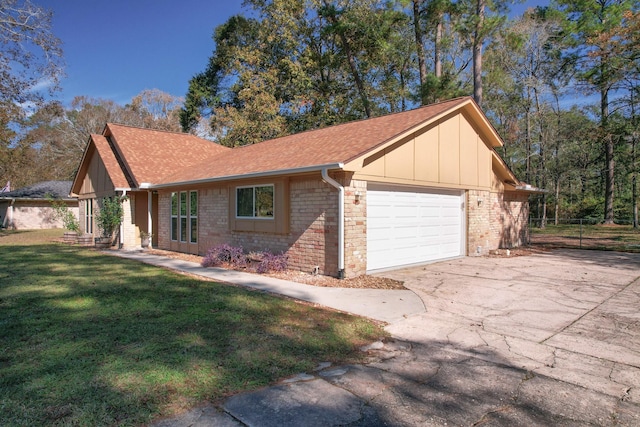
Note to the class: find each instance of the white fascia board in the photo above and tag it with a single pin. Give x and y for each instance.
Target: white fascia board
(315, 168)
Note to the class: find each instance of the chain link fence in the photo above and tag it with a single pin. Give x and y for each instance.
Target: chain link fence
(584, 233)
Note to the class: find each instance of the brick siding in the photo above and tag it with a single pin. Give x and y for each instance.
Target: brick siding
(498, 221)
(494, 220)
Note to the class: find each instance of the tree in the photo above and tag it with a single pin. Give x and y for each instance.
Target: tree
(300, 65)
(53, 138)
(157, 110)
(30, 58)
(599, 69)
(480, 19)
(523, 64)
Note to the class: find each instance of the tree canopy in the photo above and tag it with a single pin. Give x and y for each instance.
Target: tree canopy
(560, 82)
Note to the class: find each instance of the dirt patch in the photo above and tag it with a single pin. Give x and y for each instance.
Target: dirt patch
(362, 282)
(516, 252)
(547, 242)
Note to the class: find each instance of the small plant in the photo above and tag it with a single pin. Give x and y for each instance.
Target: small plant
(145, 235)
(225, 254)
(63, 213)
(110, 215)
(272, 262)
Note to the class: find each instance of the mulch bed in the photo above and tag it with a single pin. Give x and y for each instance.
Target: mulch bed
(362, 282)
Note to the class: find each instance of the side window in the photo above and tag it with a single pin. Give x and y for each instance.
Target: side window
(184, 216)
(174, 216)
(88, 216)
(255, 202)
(193, 216)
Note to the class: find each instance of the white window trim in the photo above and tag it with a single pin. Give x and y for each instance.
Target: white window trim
(88, 216)
(261, 218)
(191, 217)
(178, 216)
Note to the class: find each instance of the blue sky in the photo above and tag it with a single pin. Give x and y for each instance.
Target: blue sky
(114, 49)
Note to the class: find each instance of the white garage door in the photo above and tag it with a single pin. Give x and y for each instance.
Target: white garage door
(410, 227)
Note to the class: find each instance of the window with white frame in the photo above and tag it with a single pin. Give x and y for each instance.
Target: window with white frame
(174, 216)
(184, 216)
(193, 216)
(88, 216)
(255, 202)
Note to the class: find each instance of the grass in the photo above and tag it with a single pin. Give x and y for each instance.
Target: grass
(90, 339)
(589, 236)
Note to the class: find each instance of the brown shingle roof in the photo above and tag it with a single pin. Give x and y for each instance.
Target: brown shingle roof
(151, 155)
(331, 145)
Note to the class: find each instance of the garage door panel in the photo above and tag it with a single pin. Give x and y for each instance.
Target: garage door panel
(405, 227)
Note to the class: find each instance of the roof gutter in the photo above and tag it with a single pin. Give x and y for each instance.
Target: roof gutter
(315, 168)
(336, 184)
(531, 189)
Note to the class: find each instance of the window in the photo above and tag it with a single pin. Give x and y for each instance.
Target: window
(193, 216)
(88, 216)
(184, 216)
(174, 216)
(255, 202)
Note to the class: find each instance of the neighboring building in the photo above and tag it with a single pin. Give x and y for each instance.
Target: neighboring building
(401, 189)
(29, 207)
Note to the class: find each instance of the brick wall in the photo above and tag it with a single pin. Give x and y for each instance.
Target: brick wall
(311, 241)
(499, 221)
(164, 220)
(480, 236)
(32, 215)
(355, 227)
(130, 237)
(494, 220)
(511, 215)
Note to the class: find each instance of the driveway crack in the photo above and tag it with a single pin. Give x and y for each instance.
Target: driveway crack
(609, 298)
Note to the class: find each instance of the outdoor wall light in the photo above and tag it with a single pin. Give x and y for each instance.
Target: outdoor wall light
(479, 201)
(357, 196)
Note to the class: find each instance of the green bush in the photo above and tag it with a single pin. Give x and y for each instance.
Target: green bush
(63, 213)
(110, 215)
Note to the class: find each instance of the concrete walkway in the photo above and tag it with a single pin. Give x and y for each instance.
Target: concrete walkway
(547, 339)
(379, 304)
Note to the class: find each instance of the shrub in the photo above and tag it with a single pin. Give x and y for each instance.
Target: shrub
(225, 254)
(63, 213)
(272, 262)
(110, 215)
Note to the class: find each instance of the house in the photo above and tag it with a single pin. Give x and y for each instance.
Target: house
(401, 189)
(30, 207)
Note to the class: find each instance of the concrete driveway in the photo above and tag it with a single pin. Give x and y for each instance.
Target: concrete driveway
(549, 339)
(545, 339)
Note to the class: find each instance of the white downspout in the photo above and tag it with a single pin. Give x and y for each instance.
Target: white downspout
(149, 219)
(326, 178)
(121, 245)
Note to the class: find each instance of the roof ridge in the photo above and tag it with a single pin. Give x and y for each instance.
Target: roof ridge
(107, 124)
(352, 122)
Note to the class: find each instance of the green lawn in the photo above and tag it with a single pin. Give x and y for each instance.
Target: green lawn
(90, 339)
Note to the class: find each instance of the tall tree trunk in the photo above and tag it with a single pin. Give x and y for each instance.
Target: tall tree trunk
(609, 159)
(527, 173)
(422, 64)
(634, 166)
(477, 52)
(542, 168)
(556, 155)
(437, 55)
